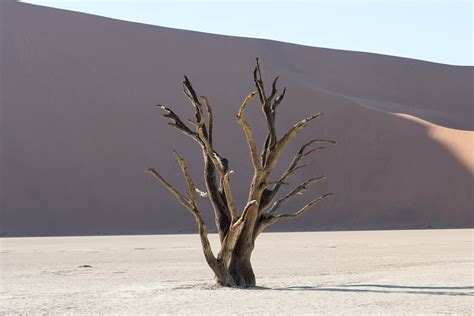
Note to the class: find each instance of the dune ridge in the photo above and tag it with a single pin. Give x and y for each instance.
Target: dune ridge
(79, 127)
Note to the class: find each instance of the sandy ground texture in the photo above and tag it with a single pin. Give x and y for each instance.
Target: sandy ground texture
(368, 272)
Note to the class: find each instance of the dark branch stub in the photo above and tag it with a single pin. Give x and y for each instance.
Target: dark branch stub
(239, 229)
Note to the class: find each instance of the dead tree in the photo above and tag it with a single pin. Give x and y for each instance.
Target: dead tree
(239, 229)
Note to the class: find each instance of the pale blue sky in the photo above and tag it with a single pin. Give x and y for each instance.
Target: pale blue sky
(438, 31)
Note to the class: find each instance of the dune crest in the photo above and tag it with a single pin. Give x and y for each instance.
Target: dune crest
(79, 126)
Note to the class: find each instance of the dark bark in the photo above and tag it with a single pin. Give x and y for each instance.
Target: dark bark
(241, 267)
(221, 211)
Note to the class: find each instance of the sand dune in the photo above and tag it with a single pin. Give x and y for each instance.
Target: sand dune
(79, 126)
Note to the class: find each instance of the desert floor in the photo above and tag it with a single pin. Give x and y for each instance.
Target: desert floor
(369, 272)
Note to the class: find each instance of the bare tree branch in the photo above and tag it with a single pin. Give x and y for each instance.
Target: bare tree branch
(294, 131)
(304, 209)
(248, 132)
(292, 168)
(217, 195)
(191, 206)
(222, 167)
(246, 212)
(230, 198)
(296, 191)
(270, 219)
(177, 123)
(266, 145)
(210, 258)
(191, 94)
(192, 194)
(257, 78)
(274, 89)
(181, 199)
(230, 240)
(219, 204)
(302, 153)
(278, 100)
(267, 109)
(210, 118)
(220, 163)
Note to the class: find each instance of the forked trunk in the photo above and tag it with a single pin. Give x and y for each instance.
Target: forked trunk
(240, 266)
(239, 274)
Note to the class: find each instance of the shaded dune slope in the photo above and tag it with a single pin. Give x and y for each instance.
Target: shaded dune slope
(79, 127)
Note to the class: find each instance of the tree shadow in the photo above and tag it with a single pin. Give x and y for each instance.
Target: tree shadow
(385, 288)
(414, 287)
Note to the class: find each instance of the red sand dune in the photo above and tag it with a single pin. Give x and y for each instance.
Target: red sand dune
(79, 126)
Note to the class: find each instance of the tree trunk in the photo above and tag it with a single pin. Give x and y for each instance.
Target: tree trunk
(222, 276)
(239, 273)
(242, 273)
(240, 267)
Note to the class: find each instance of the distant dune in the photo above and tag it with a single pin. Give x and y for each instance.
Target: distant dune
(79, 126)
